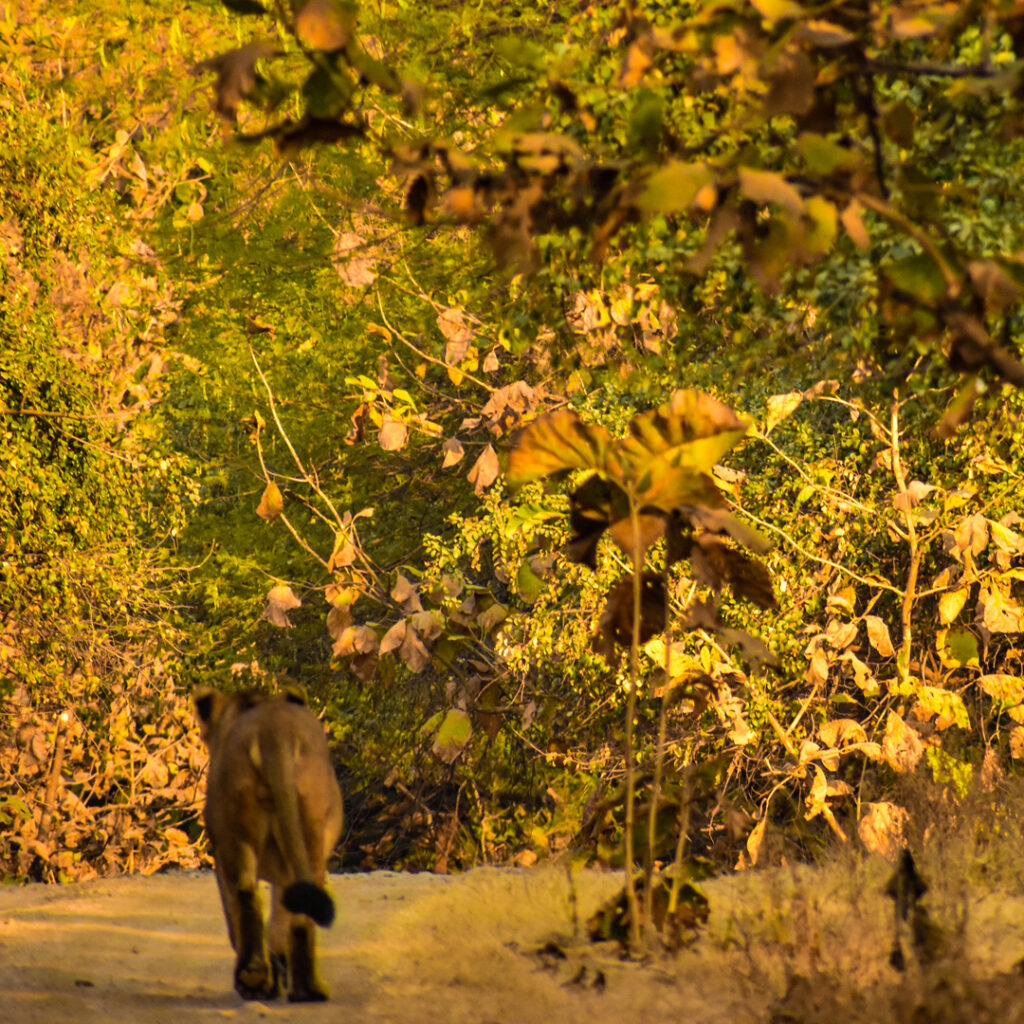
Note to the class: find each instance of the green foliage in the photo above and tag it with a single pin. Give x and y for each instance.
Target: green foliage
(258, 399)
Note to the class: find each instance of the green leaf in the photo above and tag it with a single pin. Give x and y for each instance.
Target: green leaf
(946, 705)
(673, 188)
(961, 647)
(824, 220)
(822, 155)
(919, 276)
(452, 735)
(529, 584)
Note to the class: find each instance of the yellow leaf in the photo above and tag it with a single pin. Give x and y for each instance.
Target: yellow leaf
(878, 635)
(271, 504)
(853, 221)
(325, 24)
(779, 407)
(770, 187)
(951, 604)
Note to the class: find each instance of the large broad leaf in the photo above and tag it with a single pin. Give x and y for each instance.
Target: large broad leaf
(556, 443)
(669, 448)
(673, 187)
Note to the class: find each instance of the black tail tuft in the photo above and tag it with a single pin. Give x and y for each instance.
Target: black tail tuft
(307, 898)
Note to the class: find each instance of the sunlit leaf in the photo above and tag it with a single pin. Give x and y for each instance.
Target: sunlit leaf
(326, 24)
(777, 10)
(453, 452)
(824, 33)
(779, 407)
(959, 647)
(453, 734)
(881, 828)
(689, 433)
(674, 187)
(528, 584)
(281, 600)
(823, 228)
(413, 652)
(1000, 686)
(901, 747)
(271, 503)
(485, 470)
(852, 219)
(946, 707)
(1017, 742)
(554, 444)
(393, 638)
(770, 187)
(755, 840)
(406, 595)
(878, 635)
(394, 434)
(841, 732)
(951, 604)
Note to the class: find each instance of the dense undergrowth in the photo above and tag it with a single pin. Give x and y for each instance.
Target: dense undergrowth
(253, 431)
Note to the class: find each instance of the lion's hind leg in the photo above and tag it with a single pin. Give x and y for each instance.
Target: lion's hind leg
(255, 977)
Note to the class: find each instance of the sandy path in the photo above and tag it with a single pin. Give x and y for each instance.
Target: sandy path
(781, 945)
(404, 948)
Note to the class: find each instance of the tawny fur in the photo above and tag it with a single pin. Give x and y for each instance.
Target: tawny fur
(273, 812)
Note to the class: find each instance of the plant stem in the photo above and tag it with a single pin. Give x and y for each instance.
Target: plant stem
(629, 854)
(910, 590)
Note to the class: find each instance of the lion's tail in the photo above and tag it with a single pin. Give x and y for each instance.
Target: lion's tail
(308, 898)
(302, 896)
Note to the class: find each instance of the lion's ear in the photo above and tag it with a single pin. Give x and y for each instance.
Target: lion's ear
(208, 704)
(295, 695)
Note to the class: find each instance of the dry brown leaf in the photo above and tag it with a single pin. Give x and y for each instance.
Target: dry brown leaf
(902, 747)
(453, 452)
(393, 434)
(485, 470)
(881, 828)
(878, 635)
(393, 638)
(280, 601)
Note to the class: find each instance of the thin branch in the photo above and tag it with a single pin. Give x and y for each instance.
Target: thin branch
(490, 389)
(878, 583)
(895, 67)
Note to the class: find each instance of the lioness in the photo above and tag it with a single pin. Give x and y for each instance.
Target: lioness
(273, 811)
